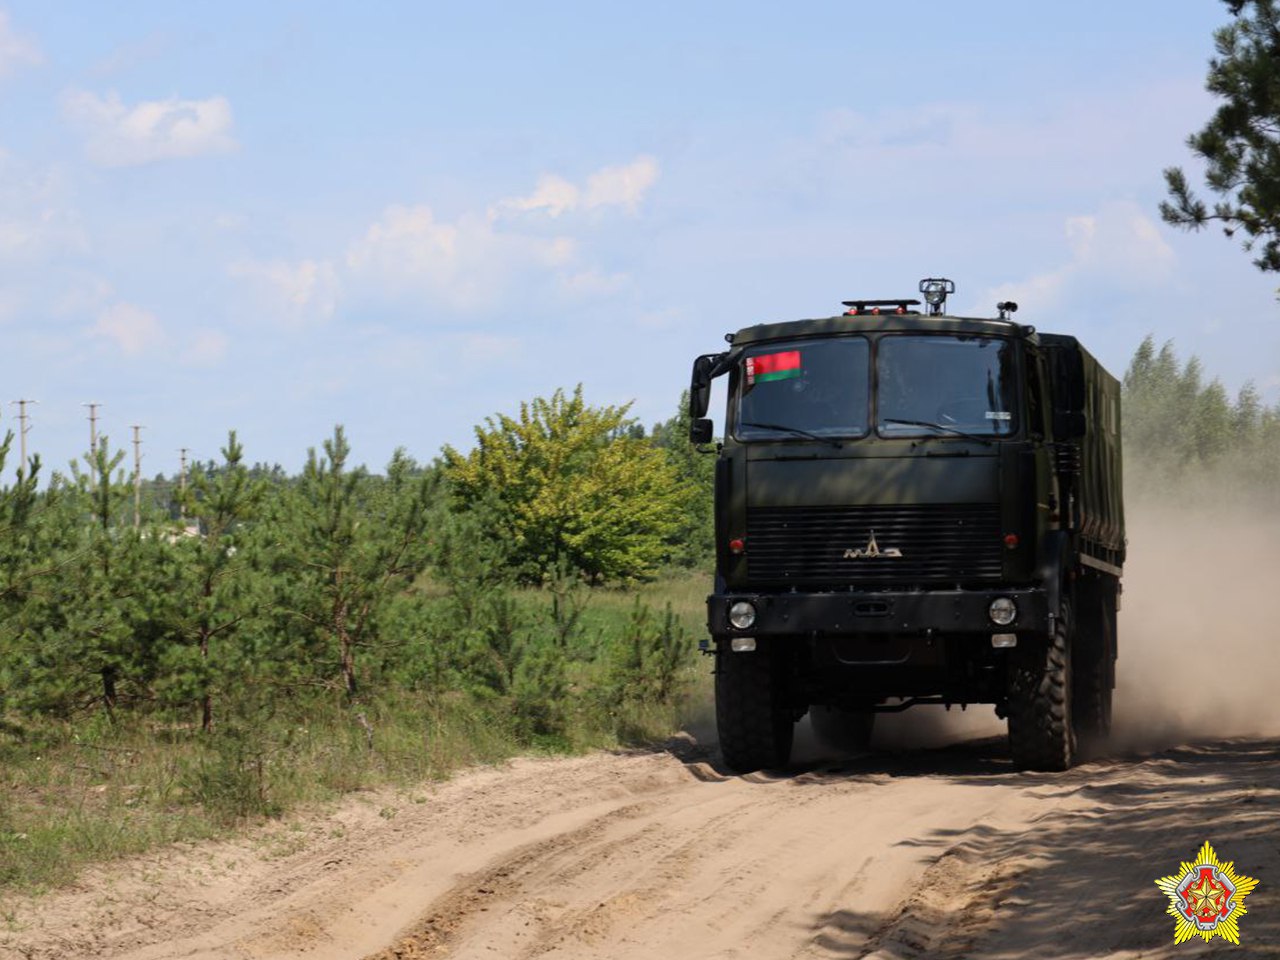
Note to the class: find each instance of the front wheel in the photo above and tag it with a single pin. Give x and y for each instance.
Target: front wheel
(1041, 723)
(754, 724)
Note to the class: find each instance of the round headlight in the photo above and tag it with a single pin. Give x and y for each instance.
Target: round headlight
(742, 615)
(1002, 611)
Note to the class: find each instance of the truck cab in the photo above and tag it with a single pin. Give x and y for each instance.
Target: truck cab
(912, 508)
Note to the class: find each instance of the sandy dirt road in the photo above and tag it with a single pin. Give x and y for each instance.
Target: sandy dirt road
(931, 845)
(943, 852)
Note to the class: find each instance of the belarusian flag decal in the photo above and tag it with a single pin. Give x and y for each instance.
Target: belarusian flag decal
(773, 366)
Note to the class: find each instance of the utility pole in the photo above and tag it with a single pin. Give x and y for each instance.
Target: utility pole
(182, 485)
(137, 476)
(93, 426)
(24, 427)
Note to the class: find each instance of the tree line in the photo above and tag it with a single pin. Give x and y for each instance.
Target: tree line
(338, 581)
(251, 585)
(1184, 432)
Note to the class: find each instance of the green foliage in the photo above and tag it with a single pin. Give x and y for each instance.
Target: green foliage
(101, 598)
(1241, 143)
(570, 485)
(220, 590)
(349, 545)
(1177, 427)
(170, 677)
(651, 657)
(692, 540)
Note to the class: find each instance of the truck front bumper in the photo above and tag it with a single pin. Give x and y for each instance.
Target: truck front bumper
(854, 613)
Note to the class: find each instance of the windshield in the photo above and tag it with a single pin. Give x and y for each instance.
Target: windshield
(936, 385)
(815, 388)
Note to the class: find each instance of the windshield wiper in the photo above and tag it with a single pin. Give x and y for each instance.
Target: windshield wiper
(796, 430)
(938, 426)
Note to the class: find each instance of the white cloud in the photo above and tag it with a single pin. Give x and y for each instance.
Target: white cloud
(475, 261)
(554, 195)
(131, 328)
(1120, 239)
(467, 263)
(623, 186)
(16, 50)
(1118, 245)
(406, 239)
(300, 291)
(1045, 291)
(121, 135)
(619, 186)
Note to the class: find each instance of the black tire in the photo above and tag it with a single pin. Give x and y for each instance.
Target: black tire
(1041, 728)
(1091, 694)
(753, 721)
(848, 731)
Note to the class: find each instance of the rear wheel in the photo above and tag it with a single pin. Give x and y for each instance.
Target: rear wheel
(837, 728)
(1041, 723)
(1094, 668)
(755, 725)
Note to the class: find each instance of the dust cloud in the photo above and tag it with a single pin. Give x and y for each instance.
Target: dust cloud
(1199, 634)
(1199, 641)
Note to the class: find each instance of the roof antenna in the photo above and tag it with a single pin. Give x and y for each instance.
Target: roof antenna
(935, 290)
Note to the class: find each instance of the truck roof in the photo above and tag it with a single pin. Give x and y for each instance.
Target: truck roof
(893, 322)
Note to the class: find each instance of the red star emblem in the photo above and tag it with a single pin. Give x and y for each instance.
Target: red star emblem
(1205, 899)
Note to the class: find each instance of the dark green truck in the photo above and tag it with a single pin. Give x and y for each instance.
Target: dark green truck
(913, 508)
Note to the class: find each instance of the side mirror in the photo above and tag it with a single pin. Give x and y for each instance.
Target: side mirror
(700, 386)
(700, 431)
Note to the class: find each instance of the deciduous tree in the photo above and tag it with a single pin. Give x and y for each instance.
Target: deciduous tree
(571, 486)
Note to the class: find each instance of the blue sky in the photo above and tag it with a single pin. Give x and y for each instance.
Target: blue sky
(406, 217)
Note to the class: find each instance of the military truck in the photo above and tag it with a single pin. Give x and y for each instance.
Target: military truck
(912, 508)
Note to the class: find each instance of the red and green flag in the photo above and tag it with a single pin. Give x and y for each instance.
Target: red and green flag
(773, 366)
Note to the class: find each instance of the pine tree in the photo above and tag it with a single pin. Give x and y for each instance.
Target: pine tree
(220, 593)
(1241, 142)
(348, 544)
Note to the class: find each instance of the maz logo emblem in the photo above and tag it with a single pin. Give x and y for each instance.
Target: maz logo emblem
(872, 549)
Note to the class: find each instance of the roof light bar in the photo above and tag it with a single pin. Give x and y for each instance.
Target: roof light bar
(876, 307)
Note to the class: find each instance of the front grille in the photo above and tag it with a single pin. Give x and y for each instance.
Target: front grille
(815, 546)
